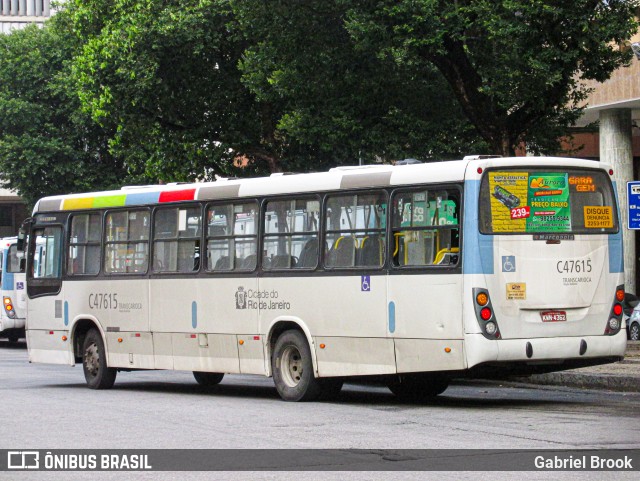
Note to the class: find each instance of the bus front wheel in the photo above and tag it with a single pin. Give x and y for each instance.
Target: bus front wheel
(94, 362)
(418, 387)
(293, 369)
(208, 379)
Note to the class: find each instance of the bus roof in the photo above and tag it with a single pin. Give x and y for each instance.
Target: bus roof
(332, 180)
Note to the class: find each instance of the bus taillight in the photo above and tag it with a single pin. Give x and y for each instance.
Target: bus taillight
(482, 298)
(484, 314)
(615, 316)
(8, 307)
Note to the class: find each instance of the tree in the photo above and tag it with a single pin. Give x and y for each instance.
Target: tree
(346, 100)
(515, 66)
(47, 145)
(165, 76)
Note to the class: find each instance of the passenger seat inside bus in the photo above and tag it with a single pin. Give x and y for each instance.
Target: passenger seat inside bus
(370, 251)
(309, 255)
(343, 252)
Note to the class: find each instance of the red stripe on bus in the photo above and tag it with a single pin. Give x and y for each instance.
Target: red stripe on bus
(177, 195)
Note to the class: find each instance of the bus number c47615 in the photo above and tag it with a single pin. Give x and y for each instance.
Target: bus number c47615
(574, 266)
(103, 301)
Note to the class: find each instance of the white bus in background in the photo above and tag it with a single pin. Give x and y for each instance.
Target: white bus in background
(13, 291)
(412, 274)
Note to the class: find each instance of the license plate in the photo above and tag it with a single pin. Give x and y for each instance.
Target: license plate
(553, 316)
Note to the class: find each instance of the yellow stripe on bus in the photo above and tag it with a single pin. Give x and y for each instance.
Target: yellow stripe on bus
(79, 203)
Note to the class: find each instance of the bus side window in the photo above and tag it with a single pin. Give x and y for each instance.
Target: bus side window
(176, 239)
(127, 242)
(232, 240)
(355, 233)
(84, 244)
(426, 228)
(291, 234)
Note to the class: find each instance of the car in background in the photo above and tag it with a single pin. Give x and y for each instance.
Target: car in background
(633, 325)
(631, 309)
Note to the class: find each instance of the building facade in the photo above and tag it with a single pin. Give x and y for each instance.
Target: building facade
(20, 13)
(610, 131)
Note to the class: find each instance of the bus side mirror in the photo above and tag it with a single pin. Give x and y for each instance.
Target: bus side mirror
(22, 234)
(23, 264)
(20, 244)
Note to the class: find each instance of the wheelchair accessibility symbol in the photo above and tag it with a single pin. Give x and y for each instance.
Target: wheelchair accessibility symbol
(508, 263)
(365, 283)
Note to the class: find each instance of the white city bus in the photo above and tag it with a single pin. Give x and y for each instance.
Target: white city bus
(12, 291)
(412, 274)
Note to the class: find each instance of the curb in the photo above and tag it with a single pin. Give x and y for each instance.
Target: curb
(585, 381)
(628, 380)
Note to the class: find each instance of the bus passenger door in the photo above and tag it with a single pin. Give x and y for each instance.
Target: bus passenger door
(425, 281)
(46, 322)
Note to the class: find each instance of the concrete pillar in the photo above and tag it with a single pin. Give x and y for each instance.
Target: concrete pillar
(616, 150)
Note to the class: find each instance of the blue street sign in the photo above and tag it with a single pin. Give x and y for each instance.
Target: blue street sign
(633, 204)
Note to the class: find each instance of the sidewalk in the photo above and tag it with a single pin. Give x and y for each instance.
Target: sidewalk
(619, 376)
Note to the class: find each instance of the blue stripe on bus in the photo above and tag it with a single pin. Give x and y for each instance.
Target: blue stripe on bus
(392, 317)
(616, 248)
(142, 198)
(477, 251)
(66, 313)
(7, 281)
(194, 314)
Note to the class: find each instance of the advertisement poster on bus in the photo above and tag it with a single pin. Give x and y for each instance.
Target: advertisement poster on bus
(530, 203)
(549, 201)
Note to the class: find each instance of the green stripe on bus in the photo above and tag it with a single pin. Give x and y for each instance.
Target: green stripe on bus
(109, 201)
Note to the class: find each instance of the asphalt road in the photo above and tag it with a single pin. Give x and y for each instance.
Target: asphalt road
(49, 407)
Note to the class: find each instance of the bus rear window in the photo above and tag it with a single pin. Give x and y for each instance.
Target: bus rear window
(523, 201)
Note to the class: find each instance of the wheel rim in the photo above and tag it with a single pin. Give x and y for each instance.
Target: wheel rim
(92, 359)
(635, 332)
(291, 366)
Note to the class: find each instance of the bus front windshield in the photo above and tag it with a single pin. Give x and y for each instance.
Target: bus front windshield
(535, 201)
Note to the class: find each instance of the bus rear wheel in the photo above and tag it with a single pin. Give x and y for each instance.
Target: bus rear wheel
(94, 362)
(208, 379)
(293, 369)
(418, 387)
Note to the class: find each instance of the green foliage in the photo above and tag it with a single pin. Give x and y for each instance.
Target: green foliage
(47, 146)
(125, 91)
(346, 100)
(515, 66)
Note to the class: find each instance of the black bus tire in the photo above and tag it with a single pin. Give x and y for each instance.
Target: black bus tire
(208, 379)
(94, 362)
(292, 368)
